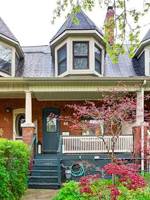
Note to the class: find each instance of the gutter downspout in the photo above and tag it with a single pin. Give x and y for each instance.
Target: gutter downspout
(142, 125)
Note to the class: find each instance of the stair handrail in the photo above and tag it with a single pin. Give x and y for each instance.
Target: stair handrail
(59, 151)
(60, 145)
(34, 143)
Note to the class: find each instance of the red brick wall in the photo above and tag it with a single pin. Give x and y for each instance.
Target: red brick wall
(6, 119)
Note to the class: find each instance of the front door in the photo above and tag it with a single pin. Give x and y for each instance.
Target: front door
(51, 130)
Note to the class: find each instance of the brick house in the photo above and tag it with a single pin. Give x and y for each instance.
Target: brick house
(37, 80)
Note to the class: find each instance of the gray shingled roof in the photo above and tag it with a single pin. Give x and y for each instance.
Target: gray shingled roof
(4, 30)
(37, 62)
(85, 23)
(147, 36)
(125, 67)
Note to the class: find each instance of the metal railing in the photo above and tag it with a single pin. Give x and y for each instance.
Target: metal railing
(94, 144)
(59, 151)
(34, 144)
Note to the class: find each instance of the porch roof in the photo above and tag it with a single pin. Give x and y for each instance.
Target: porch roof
(68, 88)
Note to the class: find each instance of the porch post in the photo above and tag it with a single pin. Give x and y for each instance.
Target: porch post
(28, 126)
(140, 130)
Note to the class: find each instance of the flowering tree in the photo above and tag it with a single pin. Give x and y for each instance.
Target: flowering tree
(114, 111)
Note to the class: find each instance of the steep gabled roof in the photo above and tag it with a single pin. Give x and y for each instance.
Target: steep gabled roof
(85, 23)
(4, 30)
(147, 36)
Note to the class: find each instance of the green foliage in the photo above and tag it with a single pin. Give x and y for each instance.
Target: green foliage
(14, 159)
(100, 189)
(69, 191)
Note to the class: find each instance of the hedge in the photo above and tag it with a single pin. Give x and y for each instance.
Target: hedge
(14, 160)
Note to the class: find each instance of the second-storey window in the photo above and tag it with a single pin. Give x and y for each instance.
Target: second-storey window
(80, 55)
(62, 60)
(97, 59)
(5, 59)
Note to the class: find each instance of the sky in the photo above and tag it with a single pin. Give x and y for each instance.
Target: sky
(30, 20)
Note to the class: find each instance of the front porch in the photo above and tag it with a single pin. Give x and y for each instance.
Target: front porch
(30, 108)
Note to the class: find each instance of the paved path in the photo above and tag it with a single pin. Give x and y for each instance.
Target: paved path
(39, 194)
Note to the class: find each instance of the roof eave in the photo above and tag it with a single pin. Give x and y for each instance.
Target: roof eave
(14, 43)
(143, 44)
(66, 33)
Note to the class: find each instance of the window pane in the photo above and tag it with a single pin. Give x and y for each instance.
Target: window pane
(97, 59)
(80, 63)
(62, 67)
(93, 127)
(62, 60)
(62, 54)
(5, 59)
(80, 49)
(97, 66)
(20, 119)
(51, 124)
(97, 53)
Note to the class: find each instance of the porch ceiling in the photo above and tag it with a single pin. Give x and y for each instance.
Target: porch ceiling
(51, 96)
(66, 88)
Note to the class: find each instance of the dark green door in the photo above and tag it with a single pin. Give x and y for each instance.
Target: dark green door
(51, 130)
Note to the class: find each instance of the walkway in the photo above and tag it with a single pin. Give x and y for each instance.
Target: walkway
(39, 194)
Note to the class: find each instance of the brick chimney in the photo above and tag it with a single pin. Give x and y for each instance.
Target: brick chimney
(110, 15)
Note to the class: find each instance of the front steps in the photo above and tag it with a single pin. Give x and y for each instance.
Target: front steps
(45, 173)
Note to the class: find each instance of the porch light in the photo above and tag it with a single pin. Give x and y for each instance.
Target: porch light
(68, 173)
(7, 110)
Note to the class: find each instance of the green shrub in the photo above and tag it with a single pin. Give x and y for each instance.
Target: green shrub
(70, 191)
(14, 160)
(101, 190)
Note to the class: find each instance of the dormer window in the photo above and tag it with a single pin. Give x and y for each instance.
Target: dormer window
(97, 59)
(80, 55)
(62, 60)
(5, 59)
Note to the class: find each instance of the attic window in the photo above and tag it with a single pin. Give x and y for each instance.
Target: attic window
(5, 59)
(80, 55)
(62, 60)
(97, 59)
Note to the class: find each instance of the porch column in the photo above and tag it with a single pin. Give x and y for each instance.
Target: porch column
(140, 131)
(28, 126)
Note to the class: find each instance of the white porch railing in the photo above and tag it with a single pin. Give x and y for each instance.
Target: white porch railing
(94, 144)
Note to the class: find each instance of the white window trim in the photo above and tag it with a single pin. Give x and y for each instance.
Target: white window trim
(16, 112)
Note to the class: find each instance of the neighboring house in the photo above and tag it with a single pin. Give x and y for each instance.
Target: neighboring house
(37, 80)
